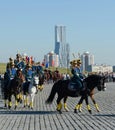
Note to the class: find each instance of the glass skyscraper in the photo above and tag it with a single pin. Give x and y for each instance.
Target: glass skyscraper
(61, 47)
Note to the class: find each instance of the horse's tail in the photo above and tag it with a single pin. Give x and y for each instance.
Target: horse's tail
(52, 94)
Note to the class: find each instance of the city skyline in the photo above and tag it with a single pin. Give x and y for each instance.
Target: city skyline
(28, 27)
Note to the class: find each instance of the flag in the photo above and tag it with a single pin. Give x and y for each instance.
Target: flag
(47, 65)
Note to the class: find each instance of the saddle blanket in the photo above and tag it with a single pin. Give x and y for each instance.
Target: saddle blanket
(73, 87)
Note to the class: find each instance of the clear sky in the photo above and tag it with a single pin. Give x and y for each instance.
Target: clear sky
(27, 26)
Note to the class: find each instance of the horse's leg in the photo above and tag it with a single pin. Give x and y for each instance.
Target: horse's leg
(59, 104)
(87, 103)
(94, 102)
(79, 105)
(16, 100)
(32, 100)
(9, 101)
(65, 104)
(26, 102)
(20, 97)
(24, 98)
(5, 99)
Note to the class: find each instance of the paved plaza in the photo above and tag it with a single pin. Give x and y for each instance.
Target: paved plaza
(45, 117)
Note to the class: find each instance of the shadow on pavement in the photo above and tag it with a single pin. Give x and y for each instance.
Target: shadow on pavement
(27, 112)
(109, 115)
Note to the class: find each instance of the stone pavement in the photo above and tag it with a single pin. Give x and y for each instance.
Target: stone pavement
(45, 117)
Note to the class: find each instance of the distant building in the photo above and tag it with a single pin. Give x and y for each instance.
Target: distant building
(100, 68)
(87, 59)
(62, 49)
(51, 59)
(113, 68)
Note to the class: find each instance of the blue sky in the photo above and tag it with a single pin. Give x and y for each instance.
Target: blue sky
(27, 26)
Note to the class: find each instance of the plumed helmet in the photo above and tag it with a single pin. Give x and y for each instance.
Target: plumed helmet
(73, 62)
(10, 59)
(79, 61)
(18, 55)
(29, 65)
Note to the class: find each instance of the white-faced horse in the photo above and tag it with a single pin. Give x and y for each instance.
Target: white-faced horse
(30, 91)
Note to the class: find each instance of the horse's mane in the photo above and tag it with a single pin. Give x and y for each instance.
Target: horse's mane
(93, 77)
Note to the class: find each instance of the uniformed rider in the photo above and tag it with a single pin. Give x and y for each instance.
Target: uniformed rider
(19, 63)
(77, 77)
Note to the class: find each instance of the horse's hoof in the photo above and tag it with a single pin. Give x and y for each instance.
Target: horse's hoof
(60, 112)
(20, 101)
(80, 110)
(5, 105)
(75, 110)
(67, 110)
(9, 107)
(98, 110)
(90, 111)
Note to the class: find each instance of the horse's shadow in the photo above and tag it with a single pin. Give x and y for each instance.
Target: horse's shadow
(26, 112)
(104, 115)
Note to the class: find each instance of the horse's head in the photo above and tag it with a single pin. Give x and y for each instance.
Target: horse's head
(96, 81)
(103, 78)
(16, 85)
(20, 75)
(101, 85)
(35, 80)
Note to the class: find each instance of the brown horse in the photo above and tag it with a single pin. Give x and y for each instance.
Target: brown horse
(14, 87)
(56, 76)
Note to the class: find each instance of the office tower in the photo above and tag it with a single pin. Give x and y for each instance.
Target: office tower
(87, 59)
(61, 47)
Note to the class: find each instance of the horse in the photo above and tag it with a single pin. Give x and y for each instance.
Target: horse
(41, 81)
(29, 91)
(47, 76)
(13, 87)
(64, 89)
(56, 76)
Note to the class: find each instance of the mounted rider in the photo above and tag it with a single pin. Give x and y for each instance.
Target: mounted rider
(8, 66)
(77, 77)
(19, 63)
(28, 73)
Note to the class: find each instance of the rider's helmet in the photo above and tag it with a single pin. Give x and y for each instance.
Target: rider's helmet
(10, 59)
(28, 65)
(79, 61)
(18, 55)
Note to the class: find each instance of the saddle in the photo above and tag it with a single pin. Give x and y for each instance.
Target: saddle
(72, 86)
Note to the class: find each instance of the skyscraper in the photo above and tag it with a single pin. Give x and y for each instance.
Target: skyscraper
(61, 47)
(87, 60)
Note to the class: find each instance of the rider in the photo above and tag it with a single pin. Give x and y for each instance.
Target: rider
(28, 73)
(8, 66)
(12, 71)
(56, 72)
(77, 77)
(18, 62)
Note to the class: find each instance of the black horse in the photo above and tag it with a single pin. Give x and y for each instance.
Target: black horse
(13, 87)
(63, 89)
(41, 81)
